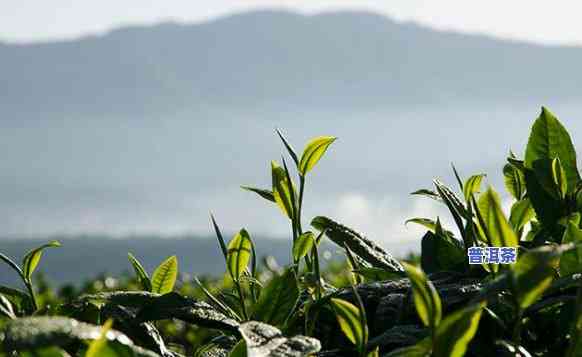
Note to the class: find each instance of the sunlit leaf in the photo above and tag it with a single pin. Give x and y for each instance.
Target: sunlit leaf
(283, 190)
(472, 185)
(32, 258)
(521, 213)
(426, 299)
(303, 245)
(500, 232)
(559, 177)
(165, 275)
(98, 347)
(349, 320)
(239, 252)
(456, 330)
(514, 181)
(266, 194)
(313, 152)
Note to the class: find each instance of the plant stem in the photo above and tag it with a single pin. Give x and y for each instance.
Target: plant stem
(242, 300)
(517, 326)
(32, 296)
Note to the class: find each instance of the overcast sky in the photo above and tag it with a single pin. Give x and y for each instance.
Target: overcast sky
(552, 22)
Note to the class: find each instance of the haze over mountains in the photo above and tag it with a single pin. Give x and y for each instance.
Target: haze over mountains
(146, 129)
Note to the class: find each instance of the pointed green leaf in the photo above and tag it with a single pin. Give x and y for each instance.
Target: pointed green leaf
(500, 232)
(514, 181)
(303, 245)
(277, 300)
(6, 307)
(266, 194)
(426, 299)
(32, 258)
(141, 274)
(533, 273)
(349, 320)
(472, 185)
(559, 177)
(456, 330)
(313, 152)
(288, 147)
(548, 140)
(219, 236)
(239, 254)
(521, 213)
(283, 190)
(165, 276)
(427, 193)
(571, 261)
(422, 348)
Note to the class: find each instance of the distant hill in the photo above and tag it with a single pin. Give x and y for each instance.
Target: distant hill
(145, 129)
(275, 60)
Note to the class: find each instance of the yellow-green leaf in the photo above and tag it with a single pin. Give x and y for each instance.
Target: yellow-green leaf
(239, 252)
(571, 261)
(165, 276)
(349, 319)
(313, 152)
(559, 177)
(521, 213)
(420, 349)
(426, 298)
(456, 331)
(283, 190)
(500, 232)
(97, 347)
(472, 185)
(32, 258)
(303, 245)
(533, 273)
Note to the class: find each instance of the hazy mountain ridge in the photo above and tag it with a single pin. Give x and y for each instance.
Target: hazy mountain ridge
(273, 60)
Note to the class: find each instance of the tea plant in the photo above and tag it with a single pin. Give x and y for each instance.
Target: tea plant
(374, 305)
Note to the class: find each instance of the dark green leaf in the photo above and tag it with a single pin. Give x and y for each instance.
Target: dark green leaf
(266, 194)
(277, 300)
(288, 147)
(441, 252)
(548, 140)
(358, 244)
(422, 348)
(141, 274)
(571, 261)
(427, 193)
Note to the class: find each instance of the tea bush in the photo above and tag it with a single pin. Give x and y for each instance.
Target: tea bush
(370, 305)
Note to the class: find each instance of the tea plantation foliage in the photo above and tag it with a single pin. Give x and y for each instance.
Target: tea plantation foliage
(372, 305)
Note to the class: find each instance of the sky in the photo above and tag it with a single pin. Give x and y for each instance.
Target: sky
(546, 22)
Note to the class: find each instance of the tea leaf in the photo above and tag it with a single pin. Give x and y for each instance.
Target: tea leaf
(239, 254)
(500, 232)
(521, 213)
(266, 194)
(219, 236)
(32, 258)
(6, 307)
(422, 348)
(456, 330)
(142, 275)
(427, 193)
(349, 320)
(358, 244)
(165, 275)
(426, 299)
(313, 152)
(303, 245)
(559, 177)
(548, 140)
(571, 261)
(472, 185)
(533, 273)
(514, 181)
(277, 300)
(288, 147)
(263, 340)
(441, 252)
(283, 190)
